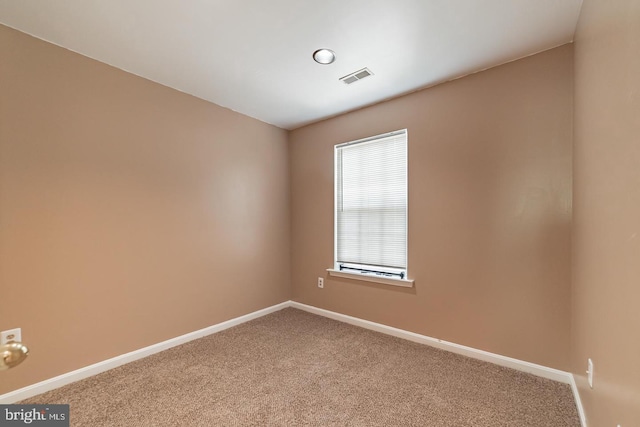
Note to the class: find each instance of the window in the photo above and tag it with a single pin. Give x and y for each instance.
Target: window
(371, 209)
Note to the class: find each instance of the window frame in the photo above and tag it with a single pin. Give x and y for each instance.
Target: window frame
(377, 274)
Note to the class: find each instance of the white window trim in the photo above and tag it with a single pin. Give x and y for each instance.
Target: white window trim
(368, 277)
(363, 276)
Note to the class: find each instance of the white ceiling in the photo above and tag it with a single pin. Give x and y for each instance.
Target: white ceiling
(254, 56)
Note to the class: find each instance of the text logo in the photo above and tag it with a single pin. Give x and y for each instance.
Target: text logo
(34, 415)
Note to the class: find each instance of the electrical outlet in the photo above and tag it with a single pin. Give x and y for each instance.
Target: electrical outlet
(10, 335)
(590, 372)
(320, 282)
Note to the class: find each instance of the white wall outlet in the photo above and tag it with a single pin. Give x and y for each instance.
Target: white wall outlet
(10, 335)
(320, 282)
(590, 372)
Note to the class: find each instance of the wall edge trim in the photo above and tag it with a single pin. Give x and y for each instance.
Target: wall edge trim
(114, 362)
(576, 396)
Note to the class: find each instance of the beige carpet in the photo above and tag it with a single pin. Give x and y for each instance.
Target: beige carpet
(292, 368)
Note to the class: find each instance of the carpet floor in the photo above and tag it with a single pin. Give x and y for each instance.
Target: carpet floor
(292, 368)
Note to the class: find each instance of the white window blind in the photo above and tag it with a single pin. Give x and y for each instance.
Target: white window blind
(371, 202)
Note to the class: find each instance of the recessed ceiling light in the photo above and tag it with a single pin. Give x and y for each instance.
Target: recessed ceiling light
(324, 56)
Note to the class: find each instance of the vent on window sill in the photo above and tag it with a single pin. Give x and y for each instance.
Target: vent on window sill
(405, 283)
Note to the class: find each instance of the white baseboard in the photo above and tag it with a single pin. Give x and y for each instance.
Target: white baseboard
(73, 376)
(509, 362)
(520, 365)
(576, 396)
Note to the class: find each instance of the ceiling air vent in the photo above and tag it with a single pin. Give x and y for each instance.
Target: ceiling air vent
(354, 77)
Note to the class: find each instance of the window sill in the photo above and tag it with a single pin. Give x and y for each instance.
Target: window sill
(405, 283)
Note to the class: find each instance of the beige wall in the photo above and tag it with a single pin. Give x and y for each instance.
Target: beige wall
(606, 247)
(119, 227)
(489, 210)
(130, 213)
